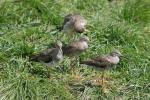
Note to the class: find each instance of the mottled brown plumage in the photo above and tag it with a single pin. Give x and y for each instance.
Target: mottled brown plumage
(74, 23)
(77, 47)
(105, 61)
(49, 56)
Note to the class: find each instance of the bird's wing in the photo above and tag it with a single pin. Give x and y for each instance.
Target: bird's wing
(103, 60)
(69, 50)
(73, 48)
(96, 63)
(44, 56)
(90, 63)
(100, 58)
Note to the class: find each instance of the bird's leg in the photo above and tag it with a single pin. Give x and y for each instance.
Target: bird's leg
(73, 63)
(48, 73)
(47, 68)
(77, 64)
(102, 78)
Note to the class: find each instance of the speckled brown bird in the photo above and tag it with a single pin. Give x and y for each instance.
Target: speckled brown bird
(103, 62)
(49, 56)
(74, 23)
(77, 47)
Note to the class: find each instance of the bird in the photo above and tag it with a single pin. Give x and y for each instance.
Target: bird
(74, 23)
(76, 47)
(49, 56)
(104, 62)
(73, 26)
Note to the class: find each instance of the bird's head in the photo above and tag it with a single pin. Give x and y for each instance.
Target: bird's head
(80, 25)
(59, 44)
(116, 53)
(84, 38)
(79, 29)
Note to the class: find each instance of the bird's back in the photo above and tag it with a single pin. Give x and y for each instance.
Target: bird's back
(75, 48)
(44, 56)
(74, 23)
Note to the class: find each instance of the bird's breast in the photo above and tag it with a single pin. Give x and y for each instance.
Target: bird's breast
(59, 55)
(114, 60)
(82, 23)
(83, 45)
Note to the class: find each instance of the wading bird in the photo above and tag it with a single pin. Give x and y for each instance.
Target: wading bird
(73, 24)
(74, 49)
(77, 47)
(104, 62)
(49, 56)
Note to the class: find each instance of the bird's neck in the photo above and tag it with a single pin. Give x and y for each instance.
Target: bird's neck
(58, 48)
(59, 55)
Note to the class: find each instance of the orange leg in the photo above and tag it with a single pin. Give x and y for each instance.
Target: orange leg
(48, 71)
(103, 82)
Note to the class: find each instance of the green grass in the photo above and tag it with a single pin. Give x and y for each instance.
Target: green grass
(26, 28)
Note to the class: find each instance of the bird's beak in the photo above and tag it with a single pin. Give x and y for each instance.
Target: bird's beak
(87, 30)
(121, 55)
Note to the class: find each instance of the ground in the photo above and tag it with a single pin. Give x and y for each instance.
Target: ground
(29, 26)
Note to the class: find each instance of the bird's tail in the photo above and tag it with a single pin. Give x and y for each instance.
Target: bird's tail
(33, 58)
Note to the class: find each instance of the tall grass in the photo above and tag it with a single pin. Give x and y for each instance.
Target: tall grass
(26, 28)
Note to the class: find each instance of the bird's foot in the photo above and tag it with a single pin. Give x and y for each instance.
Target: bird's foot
(103, 83)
